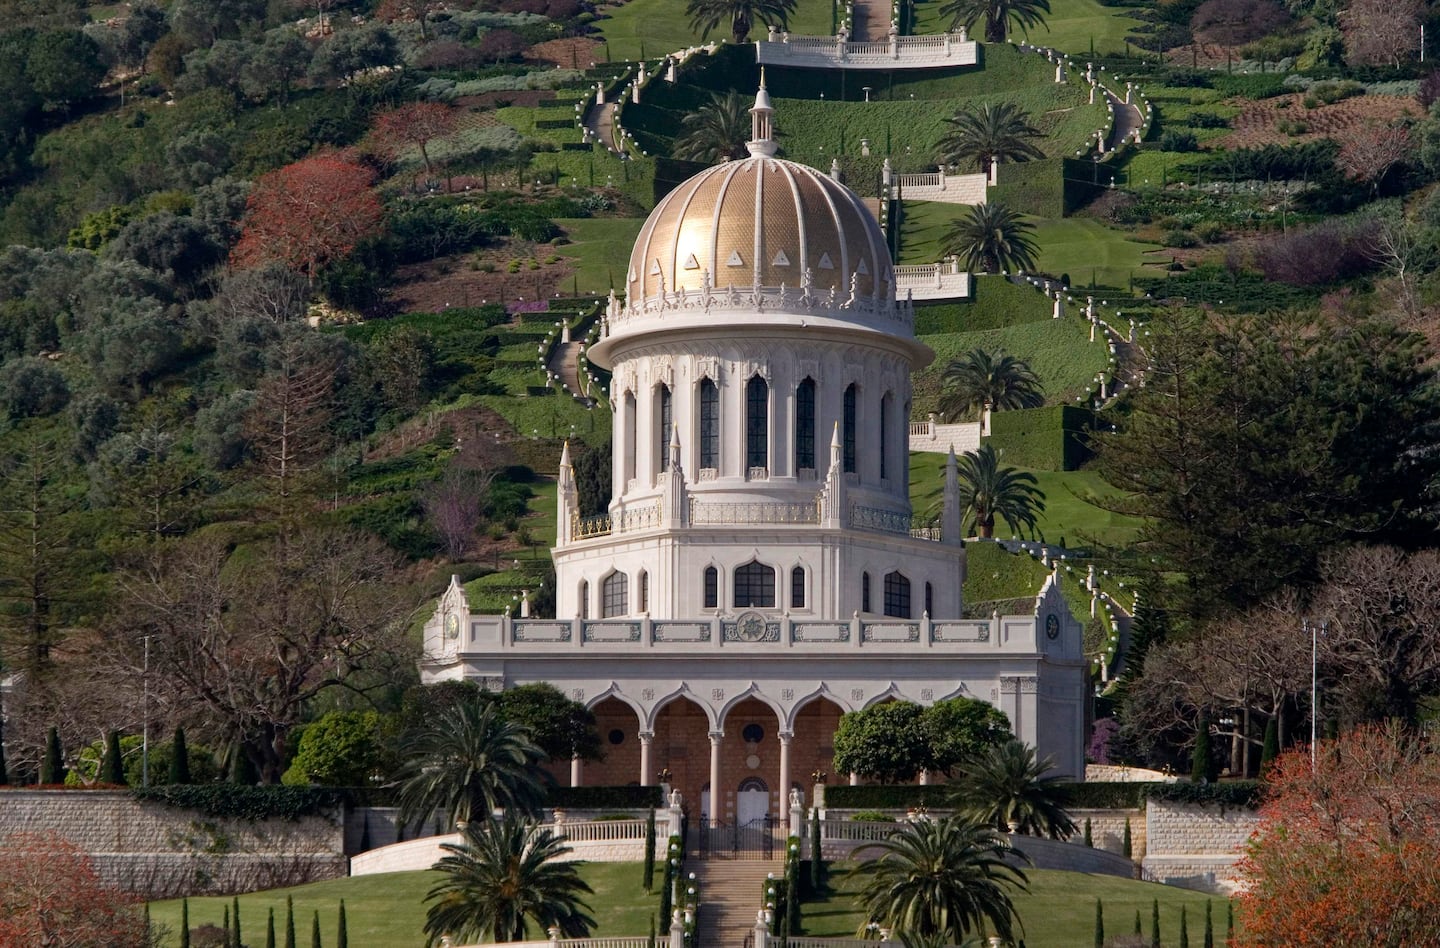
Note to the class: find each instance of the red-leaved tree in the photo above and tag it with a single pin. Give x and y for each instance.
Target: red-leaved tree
(50, 895)
(307, 214)
(1347, 853)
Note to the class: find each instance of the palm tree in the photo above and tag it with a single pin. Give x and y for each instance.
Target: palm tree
(988, 381)
(705, 15)
(716, 131)
(988, 491)
(501, 876)
(992, 238)
(467, 762)
(997, 15)
(942, 878)
(990, 135)
(1005, 786)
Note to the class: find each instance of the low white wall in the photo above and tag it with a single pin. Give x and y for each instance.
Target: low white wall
(1042, 853)
(415, 854)
(1194, 846)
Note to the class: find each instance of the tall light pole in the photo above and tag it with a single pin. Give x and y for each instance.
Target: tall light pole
(1316, 629)
(145, 717)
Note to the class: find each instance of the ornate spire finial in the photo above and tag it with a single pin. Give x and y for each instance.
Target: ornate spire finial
(762, 121)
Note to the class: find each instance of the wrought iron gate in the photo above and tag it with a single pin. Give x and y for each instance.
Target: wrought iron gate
(716, 839)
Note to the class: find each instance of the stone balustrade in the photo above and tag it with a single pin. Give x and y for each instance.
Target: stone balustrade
(937, 438)
(933, 281)
(838, 52)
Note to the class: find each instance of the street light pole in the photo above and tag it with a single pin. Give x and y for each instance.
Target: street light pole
(145, 717)
(1316, 629)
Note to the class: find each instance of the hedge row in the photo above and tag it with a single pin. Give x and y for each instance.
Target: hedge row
(1082, 796)
(1043, 439)
(604, 798)
(228, 800)
(900, 796)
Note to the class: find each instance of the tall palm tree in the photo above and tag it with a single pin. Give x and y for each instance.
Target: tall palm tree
(992, 238)
(990, 135)
(942, 877)
(996, 14)
(1005, 786)
(502, 876)
(467, 762)
(981, 380)
(716, 131)
(989, 490)
(705, 15)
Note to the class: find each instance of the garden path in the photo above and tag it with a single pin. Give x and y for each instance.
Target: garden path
(564, 364)
(1127, 119)
(872, 21)
(600, 120)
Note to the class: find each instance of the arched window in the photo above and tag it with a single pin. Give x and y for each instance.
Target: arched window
(643, 582)
(797, 588)
(864, 592)
(754, 586)
(848, 433)
(662, 450)
(614, 596)
(805, 425)
(897, 596)
(885, 402)
(709, 424)
(630, 445)
(929, 600)
(584, 595)
(712, 588)
(757, 423)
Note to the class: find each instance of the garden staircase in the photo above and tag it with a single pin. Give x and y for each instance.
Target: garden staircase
(730, 895)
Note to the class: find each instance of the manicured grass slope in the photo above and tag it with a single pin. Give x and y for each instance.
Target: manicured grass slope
(1082, 247)
(388, 910)
(650, 29)
(1057, 912)
(1070, 27)
(601, 250)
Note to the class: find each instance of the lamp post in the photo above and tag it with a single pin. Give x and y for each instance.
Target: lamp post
(1316, 629)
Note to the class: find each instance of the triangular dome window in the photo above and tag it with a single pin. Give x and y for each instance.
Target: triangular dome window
(655, 268)
(734, 260)
(826, 263)
(862, 269)
(691, 263)
(780, 260)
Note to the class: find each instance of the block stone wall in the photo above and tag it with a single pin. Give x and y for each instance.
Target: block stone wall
(1194, 846)
(161, 851)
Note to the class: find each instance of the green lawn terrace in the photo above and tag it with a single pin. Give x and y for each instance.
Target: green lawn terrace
(650, 29)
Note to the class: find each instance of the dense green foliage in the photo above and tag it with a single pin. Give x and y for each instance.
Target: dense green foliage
(1054, 438)
(893, 741)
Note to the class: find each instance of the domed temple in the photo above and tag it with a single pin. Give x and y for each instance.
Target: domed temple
(760, 571)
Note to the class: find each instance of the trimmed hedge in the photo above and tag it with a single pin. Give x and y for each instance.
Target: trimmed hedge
(604, 798)
(1088, 796)
(888, 797)
(1032, 187)
(1043, 439)
(228, 800)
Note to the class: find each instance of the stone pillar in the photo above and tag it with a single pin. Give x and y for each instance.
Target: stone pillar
(785, 738)
(677, 930)
(677, 815)
(1059, 309)
(717, 795)
(1129, 91)
(924, 778)
(854, 779)
(797, 814)
(576, 770)
(646, 737)
(762, 929)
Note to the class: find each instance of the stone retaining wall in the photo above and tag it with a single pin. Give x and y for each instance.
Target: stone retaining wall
(1195, 846)
(162, 851)
(1107, 829)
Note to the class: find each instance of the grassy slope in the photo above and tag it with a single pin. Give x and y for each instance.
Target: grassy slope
(388, 910)
(1082, 247)
(1071, 26)
(653, 28)
(1058, 351)
(601, 250)
(1059, 909)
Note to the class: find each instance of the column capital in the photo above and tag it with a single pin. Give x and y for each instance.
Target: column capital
(716, 736)
(785, 736)
(646, 736)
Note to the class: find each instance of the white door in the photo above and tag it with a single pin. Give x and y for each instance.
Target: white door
(751, 805)
(704, 804)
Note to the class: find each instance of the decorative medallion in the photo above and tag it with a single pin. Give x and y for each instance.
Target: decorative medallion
(750, 627)
(1052, 627)
(452, 626)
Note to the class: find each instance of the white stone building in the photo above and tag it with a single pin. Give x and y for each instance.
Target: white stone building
(759, 571)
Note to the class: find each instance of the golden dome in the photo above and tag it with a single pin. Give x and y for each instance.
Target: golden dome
(760, 222)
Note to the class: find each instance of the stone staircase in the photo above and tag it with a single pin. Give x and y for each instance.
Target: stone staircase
(730, 895)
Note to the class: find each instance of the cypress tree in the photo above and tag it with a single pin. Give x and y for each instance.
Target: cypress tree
(342, 936)
(1209, 927)
(1229, 923)
(1137, 921)
(270, 929)
(1200, 756)
(4, 774)
(112, 770)
(1271, 748)
(315, 930)
(179, 758)
(817, 857)
(1089, 840)
(184, 923)
(666, 893)
(235, 931)
(147, 920)
(242, 769)
(1184, 930)
(649, 880)
(1154, 923)
(1126, 846)
(289, 921)
(651, 942)
(1099, 925)
(225, 924)
(52, 768)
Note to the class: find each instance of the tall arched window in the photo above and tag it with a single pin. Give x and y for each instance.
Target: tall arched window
(712, 588)
(614, 596)
(643, 594)
(929, 600)
(709, 424)
(885, 402)
(805, 425)
(897, 596)
(662, 404)
(757, 422)
(864, 592)
(584, 595)
(754, 586)
(797, 588)
(848, 432)
(630, 443)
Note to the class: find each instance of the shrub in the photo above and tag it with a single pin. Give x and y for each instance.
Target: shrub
(1210, 231)
(872, 816)
(1327, 253)
(1207, 120)
(1179, 237)
(1174, 140)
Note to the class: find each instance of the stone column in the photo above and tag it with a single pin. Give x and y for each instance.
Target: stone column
(785, 738)
(646, 737)
(576, 770)
(716, 794)
(854, 779)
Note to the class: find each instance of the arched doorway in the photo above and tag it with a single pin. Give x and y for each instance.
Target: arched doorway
(682, 747)
(813, 745)
(752, 802)
(751, 760)
(619, 728)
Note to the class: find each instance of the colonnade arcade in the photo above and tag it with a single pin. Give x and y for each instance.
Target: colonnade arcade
(747, 748)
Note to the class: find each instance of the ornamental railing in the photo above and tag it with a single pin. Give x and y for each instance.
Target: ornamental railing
(601, 831)
(869, 831)
(706, 514)
(582, 528)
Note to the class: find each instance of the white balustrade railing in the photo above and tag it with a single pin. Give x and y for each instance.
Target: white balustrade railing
(867, 831)
(703, 514)
(591, 831)
(898, 52)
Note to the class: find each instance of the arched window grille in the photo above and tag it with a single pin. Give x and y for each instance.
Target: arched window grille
(864, 592)
(797, 588)
(805, 425)
(754, 586)
(584, 599)
(630, 445)
(614, 594)
(643, 582)
(663, 448)
(709, 424)
(848, 430)
(757, 423)
(712, 588)
(897, 596)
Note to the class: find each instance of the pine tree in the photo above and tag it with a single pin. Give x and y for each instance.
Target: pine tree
(1209, 927)
(184, 923)
(1184, 930)
(112, 768)
(235, 931)
(52, 768)
(1089, 840)
(1127, 848)
(315, 930)
(649, 878)
(289, 921)
(1099, 925)
(1154, 923)
(1200, 756)
(179, 758)
(342, 935)
(270, 929)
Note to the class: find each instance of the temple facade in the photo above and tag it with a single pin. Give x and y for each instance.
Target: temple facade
(760, 570)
